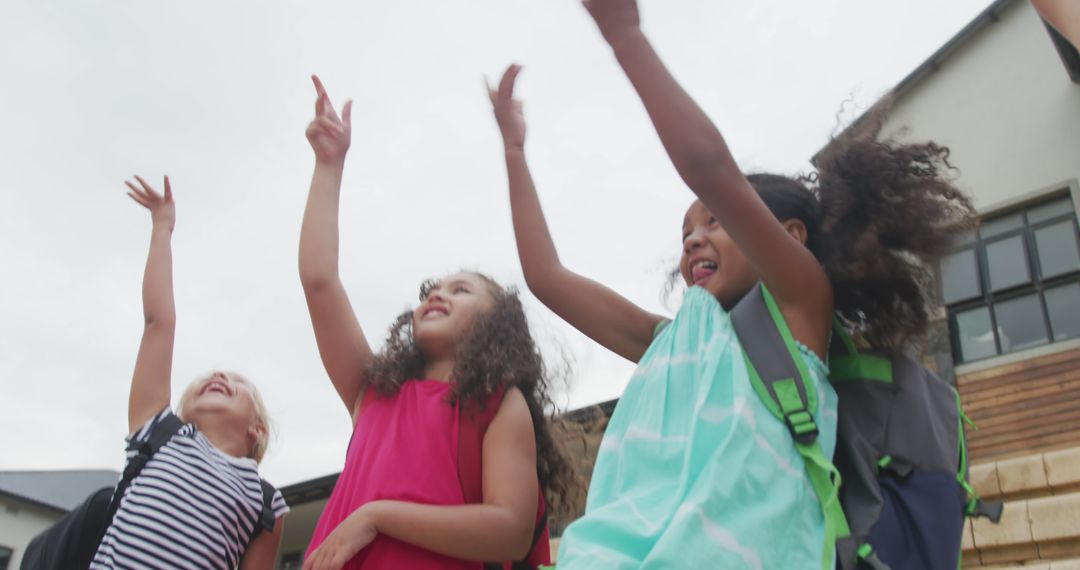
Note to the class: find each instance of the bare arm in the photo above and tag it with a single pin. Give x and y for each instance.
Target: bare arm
(150, 383)
(600, 313)
(499, 529)
(703, 160)
(262, 554)
(344, 350)
(1064, 15)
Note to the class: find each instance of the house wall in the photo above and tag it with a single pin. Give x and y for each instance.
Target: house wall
(1020, 408)
(20, 522)
(1005, 106)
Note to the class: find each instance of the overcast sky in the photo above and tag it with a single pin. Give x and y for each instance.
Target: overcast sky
(217, 95)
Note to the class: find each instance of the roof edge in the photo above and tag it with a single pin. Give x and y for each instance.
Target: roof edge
(989, 15)
(33, 502)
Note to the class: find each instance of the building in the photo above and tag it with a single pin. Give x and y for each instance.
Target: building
(306, 502)
(1004, 96)
(33, 500)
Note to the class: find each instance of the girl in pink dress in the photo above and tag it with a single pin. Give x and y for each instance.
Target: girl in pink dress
(450, 444)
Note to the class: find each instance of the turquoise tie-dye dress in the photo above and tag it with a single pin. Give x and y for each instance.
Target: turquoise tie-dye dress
(694, 471)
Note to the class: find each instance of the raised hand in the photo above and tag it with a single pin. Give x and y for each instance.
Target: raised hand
(150, 382)
(508, 110)
(162, 209)
(329, 134)
(615, 18)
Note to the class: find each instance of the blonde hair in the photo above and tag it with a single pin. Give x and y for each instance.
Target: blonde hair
(262, 415)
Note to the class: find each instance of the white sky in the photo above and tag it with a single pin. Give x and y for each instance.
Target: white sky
(217, 95)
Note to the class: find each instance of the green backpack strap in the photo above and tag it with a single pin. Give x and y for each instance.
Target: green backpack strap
(847, 363)
(976, 506)
(779, 382)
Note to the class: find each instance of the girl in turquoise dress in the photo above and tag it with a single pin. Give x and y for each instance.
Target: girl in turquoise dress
(693, 470)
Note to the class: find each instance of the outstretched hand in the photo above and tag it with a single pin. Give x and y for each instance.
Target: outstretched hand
(615, 18)
(162, 209)
(329, 134)
(508, 111)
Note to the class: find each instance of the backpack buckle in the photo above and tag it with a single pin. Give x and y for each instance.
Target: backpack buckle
(897, 468)
(988, 509)
(802, 426)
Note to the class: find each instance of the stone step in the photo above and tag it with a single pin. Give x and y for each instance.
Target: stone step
(1035, 530)
(1071, 564)
(1029, 476)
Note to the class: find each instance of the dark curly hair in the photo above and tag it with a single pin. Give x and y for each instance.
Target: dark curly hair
(879, 215)
(499, 352)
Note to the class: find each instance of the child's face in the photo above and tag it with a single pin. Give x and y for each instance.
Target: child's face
(223, 394)
(447, 313)
(711, 259)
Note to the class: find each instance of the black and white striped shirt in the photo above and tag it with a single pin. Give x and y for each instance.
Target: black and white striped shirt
(191, 506)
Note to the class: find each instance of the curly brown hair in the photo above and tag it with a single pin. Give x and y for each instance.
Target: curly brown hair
(499, 352)
(879, 215)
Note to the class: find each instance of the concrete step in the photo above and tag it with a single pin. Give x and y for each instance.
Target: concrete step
(1029, 476)
(1071, 564)
(1035, 530)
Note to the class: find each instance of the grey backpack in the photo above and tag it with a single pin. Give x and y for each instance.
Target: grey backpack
(897, 494)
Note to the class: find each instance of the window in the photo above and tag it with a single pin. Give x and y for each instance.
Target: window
(1015, 284)
(5, 557)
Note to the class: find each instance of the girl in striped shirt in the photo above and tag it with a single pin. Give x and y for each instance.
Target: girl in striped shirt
(198, 500)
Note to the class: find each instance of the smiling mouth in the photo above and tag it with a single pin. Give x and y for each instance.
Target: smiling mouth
(216, 386)
(701, 270)
(434, 313)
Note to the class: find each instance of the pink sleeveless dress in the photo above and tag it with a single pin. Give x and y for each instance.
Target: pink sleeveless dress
(404, 447)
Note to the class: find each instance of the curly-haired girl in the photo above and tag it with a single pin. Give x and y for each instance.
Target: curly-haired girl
(463, 355)
(693, 470)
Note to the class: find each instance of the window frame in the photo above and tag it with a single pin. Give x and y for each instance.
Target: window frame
(1037, 284)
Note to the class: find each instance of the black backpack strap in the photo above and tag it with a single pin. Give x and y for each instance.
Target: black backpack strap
(158, 437)
(267, 519)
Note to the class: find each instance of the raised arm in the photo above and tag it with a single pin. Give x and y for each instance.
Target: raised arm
(499, 529)
(602, 314)
(150, 383)
(344, 350)
(704, 162)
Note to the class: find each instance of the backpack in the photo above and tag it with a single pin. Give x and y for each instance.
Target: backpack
(898, 493)
(470, 474)
(72, 541)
